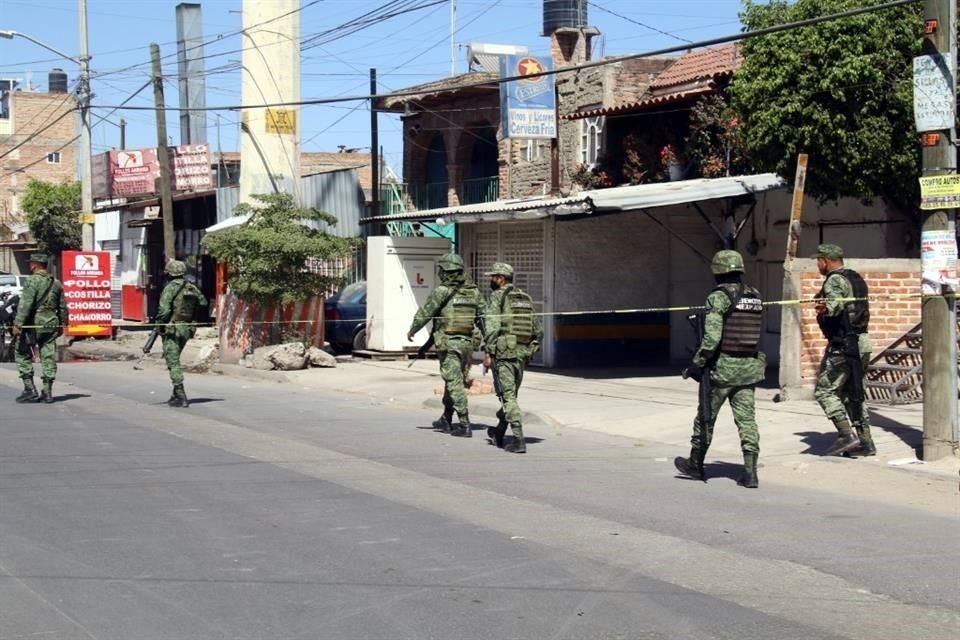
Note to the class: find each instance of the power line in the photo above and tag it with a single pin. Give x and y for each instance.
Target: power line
(637, 22)
(789, 26)
(37, 133)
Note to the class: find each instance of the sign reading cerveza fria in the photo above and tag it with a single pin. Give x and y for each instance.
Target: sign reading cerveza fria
(528, 106)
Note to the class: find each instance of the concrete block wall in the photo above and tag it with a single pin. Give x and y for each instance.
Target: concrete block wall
(30, 114)
(889, 319)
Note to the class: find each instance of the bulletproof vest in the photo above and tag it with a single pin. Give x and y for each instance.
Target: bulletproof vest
(517, 310)
(743, 322)
(185, 304)
(461, 312)
(857, 316)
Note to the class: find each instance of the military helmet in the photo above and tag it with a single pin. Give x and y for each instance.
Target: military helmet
(176, 268)
(39, 258)
(727, 261)
(451, 262)
(500, 269)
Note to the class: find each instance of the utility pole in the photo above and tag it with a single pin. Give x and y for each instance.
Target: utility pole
(453, 44)
(86, 168)
(163, 158)
(374, 144)
(123, 134)
(938, 313)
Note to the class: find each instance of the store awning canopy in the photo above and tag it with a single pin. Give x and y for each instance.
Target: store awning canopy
(643, 196)
(229, 223)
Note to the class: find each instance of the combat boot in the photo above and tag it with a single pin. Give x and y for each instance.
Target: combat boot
(173, 400)
(749, 478)
(181, 395)
(464, 429)
(846, 441)
(867, 448)
(519, 443)
(29, 394)
(46, 396)
(691, 467)
(442, 424)
(497, 433)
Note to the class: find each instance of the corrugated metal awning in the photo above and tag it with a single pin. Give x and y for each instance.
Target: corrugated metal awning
(643, 196)
(229, 223)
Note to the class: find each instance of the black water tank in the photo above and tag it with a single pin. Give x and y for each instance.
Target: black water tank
(57, 81)
(563, 13)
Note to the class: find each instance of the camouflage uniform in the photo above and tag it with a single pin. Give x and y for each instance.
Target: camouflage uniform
(42, 310)
(728, 354)
(512, 336)
(834, 390)
(179, 302)
(454, 308)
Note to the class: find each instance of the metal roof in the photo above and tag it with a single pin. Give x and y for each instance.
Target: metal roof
(643, 196)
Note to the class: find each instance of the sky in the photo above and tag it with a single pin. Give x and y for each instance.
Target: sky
(406, 50)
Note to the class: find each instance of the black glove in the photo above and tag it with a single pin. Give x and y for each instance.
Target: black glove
(693, 371)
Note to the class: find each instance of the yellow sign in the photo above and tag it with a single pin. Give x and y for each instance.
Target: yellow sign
(282, 121)
(86, 218)
(940, 192)
(89, 329)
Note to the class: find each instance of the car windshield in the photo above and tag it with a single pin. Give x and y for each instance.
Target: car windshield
(354, 293)
(8, 281)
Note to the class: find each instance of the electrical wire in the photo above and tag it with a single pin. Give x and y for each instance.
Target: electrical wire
(790, 26)
(637, 22)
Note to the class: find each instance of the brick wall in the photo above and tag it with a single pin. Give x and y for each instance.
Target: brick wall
(889, 319)
(30, 113)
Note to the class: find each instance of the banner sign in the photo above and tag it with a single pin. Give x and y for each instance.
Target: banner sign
(86, 287)
(938, 259)
(940, 192)
(934, 96)
(190, 165)
(134, 172)
(528, 108)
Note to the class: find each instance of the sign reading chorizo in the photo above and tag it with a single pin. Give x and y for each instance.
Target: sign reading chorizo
(86, 286)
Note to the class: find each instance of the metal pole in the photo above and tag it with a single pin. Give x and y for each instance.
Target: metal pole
(374, 145)
(86, 168)
(163, 158)
(938, 313)
(453, 44)
(123, 134)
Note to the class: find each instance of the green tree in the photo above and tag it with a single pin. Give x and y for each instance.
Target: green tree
(840, 91)
(268, 257)
(51, 212)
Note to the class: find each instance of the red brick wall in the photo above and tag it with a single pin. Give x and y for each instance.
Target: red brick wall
(889, 318)
(31, 113)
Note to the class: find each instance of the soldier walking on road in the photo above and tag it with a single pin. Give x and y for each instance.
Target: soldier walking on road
(41, 317)
(512, 336)
(729, 363)
(454, 308)
(843, 313)
(179, 303)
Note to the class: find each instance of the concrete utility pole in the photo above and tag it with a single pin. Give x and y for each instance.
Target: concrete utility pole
(453, 42)
(163, 157)
(86, 166)
(374, 145)
(938, 311)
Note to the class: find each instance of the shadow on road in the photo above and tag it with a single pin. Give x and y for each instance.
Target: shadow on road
(67, 397)
(911, 436)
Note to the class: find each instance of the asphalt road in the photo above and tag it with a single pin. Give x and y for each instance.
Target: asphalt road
(271, 512)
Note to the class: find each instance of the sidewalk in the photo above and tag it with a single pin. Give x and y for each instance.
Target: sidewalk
(647, 406)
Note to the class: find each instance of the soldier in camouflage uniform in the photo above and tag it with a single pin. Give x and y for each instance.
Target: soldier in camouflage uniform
(42, 311)
(729, 354)
(512, 336)
(179, 303)
(843, 313)
(454, 309)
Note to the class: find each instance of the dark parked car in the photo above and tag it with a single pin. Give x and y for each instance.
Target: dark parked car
(346, 318)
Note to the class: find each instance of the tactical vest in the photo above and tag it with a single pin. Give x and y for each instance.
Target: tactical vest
(743, 321)
(856, 318)
(461, 312)
(517, 311)
(185, 304)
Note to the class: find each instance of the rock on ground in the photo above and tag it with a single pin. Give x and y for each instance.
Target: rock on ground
(200, 355)
(281, 357)
(320, 358)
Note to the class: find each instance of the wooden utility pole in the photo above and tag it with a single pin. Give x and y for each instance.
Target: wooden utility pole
(163, 158)
(939, 311)
(790, 314)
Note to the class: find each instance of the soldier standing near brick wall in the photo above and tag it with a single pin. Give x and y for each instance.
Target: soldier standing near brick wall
(843, 313)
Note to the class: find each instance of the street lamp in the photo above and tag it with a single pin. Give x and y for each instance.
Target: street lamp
(83, 102)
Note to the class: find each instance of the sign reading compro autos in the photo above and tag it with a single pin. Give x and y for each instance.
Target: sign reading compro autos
(528, 107)
(86, 286)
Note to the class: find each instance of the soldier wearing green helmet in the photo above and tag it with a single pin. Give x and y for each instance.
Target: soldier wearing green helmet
(180, 303)
(512, 334)
(729, 361)
(454, 309)
(42, 313)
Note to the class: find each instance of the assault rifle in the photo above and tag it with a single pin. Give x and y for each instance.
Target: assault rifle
(703, 410)
(422, 351)
(148, 347)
